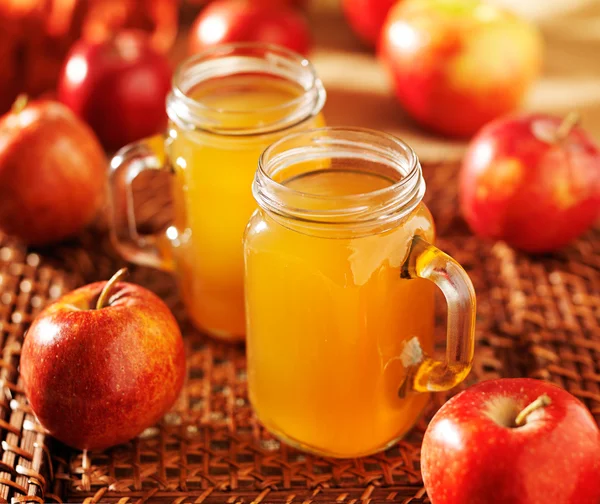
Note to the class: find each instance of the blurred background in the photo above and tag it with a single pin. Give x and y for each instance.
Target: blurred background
(36, 36)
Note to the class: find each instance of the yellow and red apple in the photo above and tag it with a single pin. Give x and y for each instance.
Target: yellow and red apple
(457, 64)
(532, 180)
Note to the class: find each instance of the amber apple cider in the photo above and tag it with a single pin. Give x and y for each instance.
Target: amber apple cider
(212, 191)
(333, 325)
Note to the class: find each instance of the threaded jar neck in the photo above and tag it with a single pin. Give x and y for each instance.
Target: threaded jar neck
(351, 150)
(258, 60)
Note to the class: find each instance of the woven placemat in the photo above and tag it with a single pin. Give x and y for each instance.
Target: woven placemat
(537, 316)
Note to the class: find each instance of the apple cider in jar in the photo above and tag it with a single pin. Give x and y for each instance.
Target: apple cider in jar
(340, 279)
(227, 105)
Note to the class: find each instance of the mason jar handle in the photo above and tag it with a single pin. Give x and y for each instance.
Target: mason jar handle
(152, 250)
(429, 262)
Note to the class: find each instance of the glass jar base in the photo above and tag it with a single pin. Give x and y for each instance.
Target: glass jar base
(294, 443)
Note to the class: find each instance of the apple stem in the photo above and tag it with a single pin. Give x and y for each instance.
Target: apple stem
(20, 103)
(540, 402)
(106, 291)
(566, 126)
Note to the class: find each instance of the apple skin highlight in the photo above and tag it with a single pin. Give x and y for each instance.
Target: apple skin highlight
(118, 86)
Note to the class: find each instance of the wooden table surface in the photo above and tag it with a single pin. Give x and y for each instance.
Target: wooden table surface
(359, 91)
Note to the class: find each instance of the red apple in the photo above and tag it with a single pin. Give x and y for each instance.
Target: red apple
(366, 17)
(272, 22)
(118, 86)
(457, 64)
(102, 364)
(479, 449)
(532, 180)
(52, 172)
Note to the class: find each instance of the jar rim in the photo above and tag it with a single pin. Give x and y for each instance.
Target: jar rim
(385, 204)
(277, 60)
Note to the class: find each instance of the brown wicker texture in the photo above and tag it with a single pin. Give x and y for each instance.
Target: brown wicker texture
(537, 316)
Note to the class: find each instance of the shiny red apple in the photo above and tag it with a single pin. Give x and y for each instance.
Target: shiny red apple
(102, 364)
(52, 172)
(272, 22)
(532, 180)
(517, 441)
(366, 17)
(457, 64)
(118, 86)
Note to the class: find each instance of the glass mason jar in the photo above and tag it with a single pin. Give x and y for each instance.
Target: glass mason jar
(226, 106)
(340, 278)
